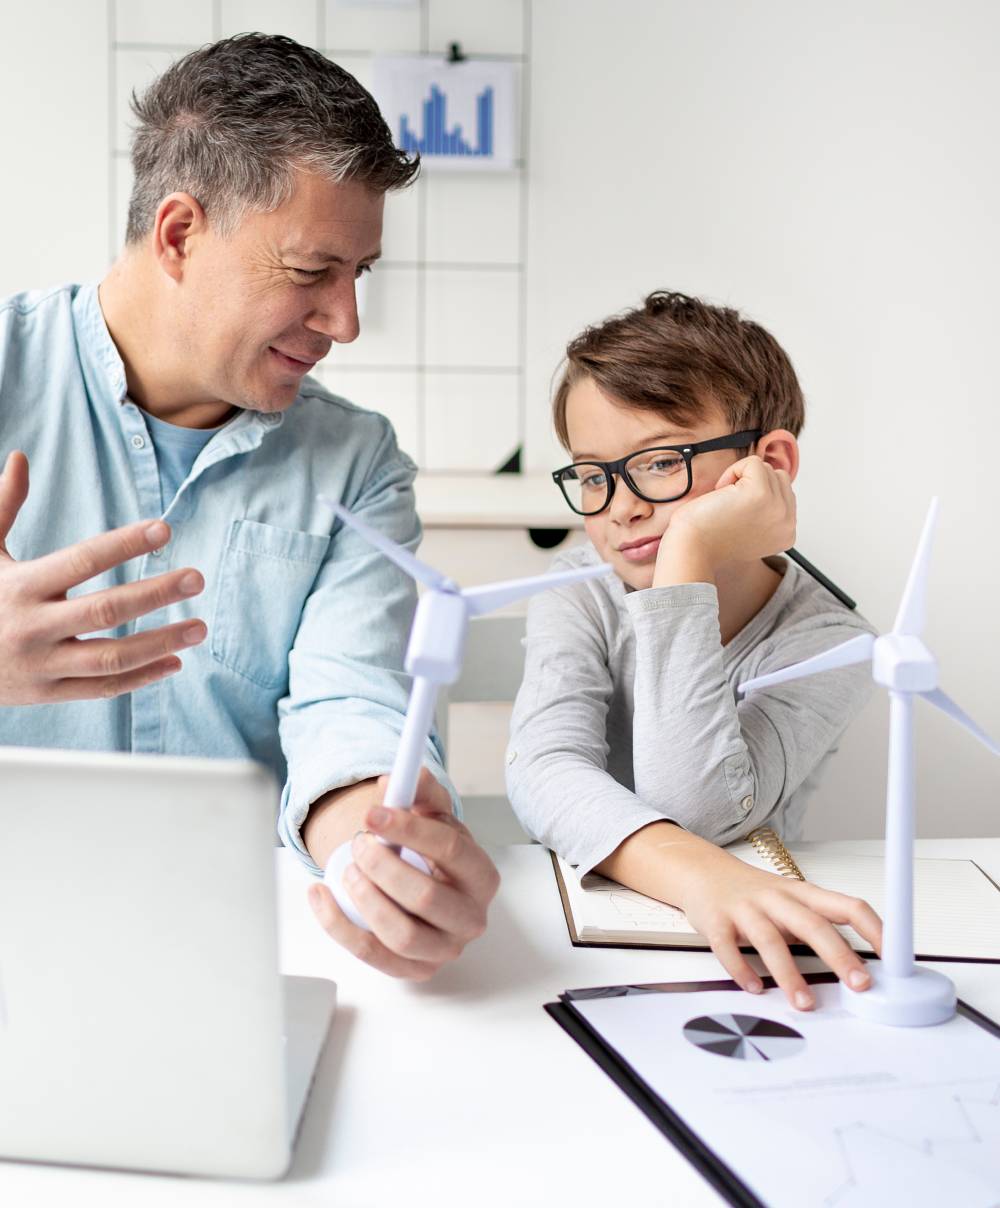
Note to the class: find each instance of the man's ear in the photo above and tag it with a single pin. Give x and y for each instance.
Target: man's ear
(780, 450)
(179, 220)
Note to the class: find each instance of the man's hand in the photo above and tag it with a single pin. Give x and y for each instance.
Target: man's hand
(418, 923)
(42, 656)
(750, 514)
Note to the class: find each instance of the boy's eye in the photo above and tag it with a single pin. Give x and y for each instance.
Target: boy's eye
(593, 481)
(661, 464)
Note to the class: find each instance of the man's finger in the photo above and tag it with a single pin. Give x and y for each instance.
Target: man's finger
(433, 901)
(115, 656)
(54, 574)
(363, 944)
(448, 844)
(13, 493)
(97, 688)
(99, 610)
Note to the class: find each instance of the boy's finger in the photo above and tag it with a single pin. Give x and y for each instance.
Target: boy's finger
(828, 944)
(735, 963)
(850, 912)
(773, 951)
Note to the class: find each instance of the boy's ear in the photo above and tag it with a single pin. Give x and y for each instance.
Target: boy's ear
(780, 450)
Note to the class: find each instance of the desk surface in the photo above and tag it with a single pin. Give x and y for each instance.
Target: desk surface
(463, 1091)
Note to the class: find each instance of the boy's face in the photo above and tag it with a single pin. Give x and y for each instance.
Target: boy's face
(627, 533)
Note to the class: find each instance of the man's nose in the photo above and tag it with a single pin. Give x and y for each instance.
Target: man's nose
(336, 315)
(626, 506)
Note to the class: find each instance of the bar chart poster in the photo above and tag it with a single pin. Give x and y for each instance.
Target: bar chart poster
(459, 116)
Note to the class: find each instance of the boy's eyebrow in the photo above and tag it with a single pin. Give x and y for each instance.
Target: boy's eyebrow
(328, 257)
(661, 438)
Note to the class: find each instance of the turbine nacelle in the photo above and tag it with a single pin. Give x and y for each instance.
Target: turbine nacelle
(437, 638)
(902, 663)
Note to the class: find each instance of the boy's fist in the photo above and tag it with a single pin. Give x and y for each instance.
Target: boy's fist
(749, 515)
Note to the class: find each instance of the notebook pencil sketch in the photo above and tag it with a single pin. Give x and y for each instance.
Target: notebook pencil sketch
(957, 906)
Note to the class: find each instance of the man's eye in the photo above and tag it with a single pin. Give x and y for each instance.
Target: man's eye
(308, 273)
(362, 269)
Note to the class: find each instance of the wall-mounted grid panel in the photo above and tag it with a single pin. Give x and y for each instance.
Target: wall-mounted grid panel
(441, 350)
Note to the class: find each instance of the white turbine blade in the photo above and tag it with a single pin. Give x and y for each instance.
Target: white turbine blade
(910, 618)
(947, 705)
(395, 553)
(856, 650)
(496, 595)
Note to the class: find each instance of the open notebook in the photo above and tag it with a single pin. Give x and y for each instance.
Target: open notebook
(956, 905)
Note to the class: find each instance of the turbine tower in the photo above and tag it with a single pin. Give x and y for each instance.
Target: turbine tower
(433, 658)
(901, 993)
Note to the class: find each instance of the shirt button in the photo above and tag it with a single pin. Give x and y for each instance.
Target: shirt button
(272, 419)
(746, 805)
(157, 553)
(511, 756)
(138, 442)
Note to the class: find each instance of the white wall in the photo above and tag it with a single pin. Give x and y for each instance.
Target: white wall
(832, 170)
(54, 140)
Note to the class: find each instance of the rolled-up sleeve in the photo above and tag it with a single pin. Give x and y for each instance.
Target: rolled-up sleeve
(342, 717)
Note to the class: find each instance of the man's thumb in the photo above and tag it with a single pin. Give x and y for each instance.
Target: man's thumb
(13, 492)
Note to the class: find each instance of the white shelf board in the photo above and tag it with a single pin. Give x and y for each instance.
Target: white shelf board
(453, 500)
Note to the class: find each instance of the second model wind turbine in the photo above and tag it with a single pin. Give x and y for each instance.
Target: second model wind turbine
(433, 658)
(901, 993)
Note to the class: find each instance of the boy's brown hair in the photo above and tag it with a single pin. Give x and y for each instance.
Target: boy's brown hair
(676, 355)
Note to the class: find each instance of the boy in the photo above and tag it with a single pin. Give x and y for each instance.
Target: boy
(630, 751)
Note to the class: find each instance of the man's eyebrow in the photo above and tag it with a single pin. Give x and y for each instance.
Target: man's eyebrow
(328, 257)
(651, 442)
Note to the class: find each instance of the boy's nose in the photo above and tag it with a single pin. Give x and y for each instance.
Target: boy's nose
(626, 506)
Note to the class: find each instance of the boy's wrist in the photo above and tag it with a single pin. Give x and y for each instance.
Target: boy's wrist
(684, 557)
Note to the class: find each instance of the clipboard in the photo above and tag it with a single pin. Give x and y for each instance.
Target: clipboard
(713, 1167)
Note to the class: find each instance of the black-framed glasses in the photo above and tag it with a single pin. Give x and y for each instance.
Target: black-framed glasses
(657, 475)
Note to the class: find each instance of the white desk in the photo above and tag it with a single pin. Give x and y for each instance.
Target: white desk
(463, 1092)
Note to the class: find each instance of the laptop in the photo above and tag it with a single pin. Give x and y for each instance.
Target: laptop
(144, 1024)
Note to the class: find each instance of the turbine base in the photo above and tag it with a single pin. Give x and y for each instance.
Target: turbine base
(920, 1000)
(333, 878)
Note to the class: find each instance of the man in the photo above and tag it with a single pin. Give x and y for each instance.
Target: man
(176, 390)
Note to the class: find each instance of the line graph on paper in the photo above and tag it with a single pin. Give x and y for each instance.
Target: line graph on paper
(946, 1149)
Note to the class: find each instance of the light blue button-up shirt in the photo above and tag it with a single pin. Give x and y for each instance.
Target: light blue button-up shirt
(307, 624)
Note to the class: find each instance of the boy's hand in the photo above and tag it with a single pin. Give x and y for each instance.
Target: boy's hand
(731, 903)
(418, 923)
(749, 515)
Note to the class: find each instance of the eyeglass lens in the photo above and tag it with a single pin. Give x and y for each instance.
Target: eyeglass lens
(660, 475)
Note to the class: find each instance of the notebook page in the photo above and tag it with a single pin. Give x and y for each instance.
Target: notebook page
(956, 907)
(606, 906)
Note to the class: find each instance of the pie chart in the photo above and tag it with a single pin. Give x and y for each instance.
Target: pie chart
(745, 1037)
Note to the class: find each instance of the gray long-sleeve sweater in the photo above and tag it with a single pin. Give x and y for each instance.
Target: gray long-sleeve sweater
(628, 712)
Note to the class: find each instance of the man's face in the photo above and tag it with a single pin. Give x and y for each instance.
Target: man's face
(260, 308)
(627, 533)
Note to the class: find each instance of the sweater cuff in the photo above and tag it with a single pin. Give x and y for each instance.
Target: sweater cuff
(677, 595)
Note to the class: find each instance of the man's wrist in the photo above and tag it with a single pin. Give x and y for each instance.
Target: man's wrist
(335, 817)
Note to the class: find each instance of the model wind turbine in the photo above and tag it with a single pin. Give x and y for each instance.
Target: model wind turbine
(433, 658)
(901, 993)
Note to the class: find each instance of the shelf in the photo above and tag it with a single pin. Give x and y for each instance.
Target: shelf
(492, 501)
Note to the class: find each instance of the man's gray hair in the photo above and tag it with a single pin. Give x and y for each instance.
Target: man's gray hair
(233, 122)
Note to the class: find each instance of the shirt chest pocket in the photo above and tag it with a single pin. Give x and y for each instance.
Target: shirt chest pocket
(264, 577)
